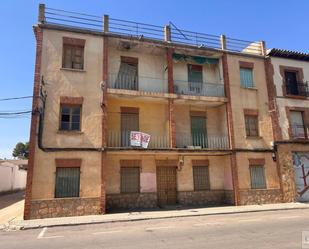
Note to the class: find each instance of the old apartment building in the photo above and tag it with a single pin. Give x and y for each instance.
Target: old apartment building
(290, 76)
(135, 116)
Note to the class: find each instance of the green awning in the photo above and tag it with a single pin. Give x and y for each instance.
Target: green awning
(196, 59)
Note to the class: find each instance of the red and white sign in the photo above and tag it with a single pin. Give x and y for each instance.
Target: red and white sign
(138, 139)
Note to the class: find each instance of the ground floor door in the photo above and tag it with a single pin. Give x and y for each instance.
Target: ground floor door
(166, 185)
(301, 169)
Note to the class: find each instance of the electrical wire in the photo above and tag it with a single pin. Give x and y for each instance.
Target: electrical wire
(14, 98)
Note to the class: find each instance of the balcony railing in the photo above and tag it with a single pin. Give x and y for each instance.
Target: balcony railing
(137, 83)
(118, 139)
(298, 131)
(297, 88)
(199, 88)
(202, 141)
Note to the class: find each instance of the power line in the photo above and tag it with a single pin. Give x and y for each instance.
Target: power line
(24, 97)
(14, 113)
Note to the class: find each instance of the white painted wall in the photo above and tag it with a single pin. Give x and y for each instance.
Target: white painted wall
(281, 101)
(11, 177)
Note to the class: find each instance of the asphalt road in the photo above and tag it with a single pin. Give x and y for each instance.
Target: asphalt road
(276, 230)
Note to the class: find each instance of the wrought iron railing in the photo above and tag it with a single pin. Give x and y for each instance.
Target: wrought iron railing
(201, 140)
(137, 83)
(168, 33)
(199, 88)
(297, 88)
(118, 139)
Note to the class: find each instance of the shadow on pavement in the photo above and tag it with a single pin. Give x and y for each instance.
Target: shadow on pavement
(9, 199)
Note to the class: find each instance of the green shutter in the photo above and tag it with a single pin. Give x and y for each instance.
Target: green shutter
(67, 182)
(246, 77)
(199, 131)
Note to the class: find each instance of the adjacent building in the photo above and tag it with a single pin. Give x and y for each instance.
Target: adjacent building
(129, 116)
(290, 75)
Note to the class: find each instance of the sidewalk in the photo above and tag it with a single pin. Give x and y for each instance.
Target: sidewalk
(11, 207)
(147, 215)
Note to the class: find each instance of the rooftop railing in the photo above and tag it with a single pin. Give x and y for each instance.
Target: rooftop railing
(169, 33)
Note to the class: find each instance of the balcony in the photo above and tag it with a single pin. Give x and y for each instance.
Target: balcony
(137, 83)
(199, 88)
(201, 141)
(121, 139)
(297, 89)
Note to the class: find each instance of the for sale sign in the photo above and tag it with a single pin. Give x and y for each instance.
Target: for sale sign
(139, 139)
(135, 138)
(145, 140)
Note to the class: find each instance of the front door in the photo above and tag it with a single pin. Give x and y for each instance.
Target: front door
(166, 185)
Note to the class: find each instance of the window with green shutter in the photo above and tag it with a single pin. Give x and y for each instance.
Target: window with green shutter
(199, 131)
(257, 175)
(195, 78)
(67, 182)
(246, 77)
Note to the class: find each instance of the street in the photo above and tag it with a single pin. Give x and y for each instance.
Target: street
(279, 229)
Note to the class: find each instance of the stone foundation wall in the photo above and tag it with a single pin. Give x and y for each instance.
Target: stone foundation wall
(205, 198)
(131, 201)
(260, 196)
(64, 207)
(229, 197)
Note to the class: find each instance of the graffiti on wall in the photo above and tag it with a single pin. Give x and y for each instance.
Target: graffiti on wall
(301, 168)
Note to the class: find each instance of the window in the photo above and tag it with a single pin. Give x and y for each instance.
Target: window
(251, 122)
(257, 175)
(201, 178)
(127, 77)
(291, 82)
(199, 131)
(73, 56)
(129, 180)
(70, 117)
(195, 78)
(246, 77)
(67, 182)
(129, 122)
(297, 124)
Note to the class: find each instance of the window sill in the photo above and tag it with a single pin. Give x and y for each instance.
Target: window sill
(70, 132)
(73, 69)
(295, 96)
(254, 137)
(249, 88)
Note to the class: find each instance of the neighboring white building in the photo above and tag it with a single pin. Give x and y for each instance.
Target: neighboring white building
(290, 77)
(13, 175)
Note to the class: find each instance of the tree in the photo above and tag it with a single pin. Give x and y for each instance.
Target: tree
(21, 150)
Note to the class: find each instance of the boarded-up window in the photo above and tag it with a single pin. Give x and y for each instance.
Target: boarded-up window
(130, 180)
(70, 117)
(246, 77)
(67, 182)
(127, 77)
(73, 56)
(257, 175)
(129, 122)
(201, 178)
(252, 128)
(297, 124)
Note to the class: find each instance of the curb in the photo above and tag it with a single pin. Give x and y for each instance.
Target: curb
(15, 226)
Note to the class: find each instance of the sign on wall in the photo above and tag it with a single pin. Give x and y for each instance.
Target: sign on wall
(301, 169)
